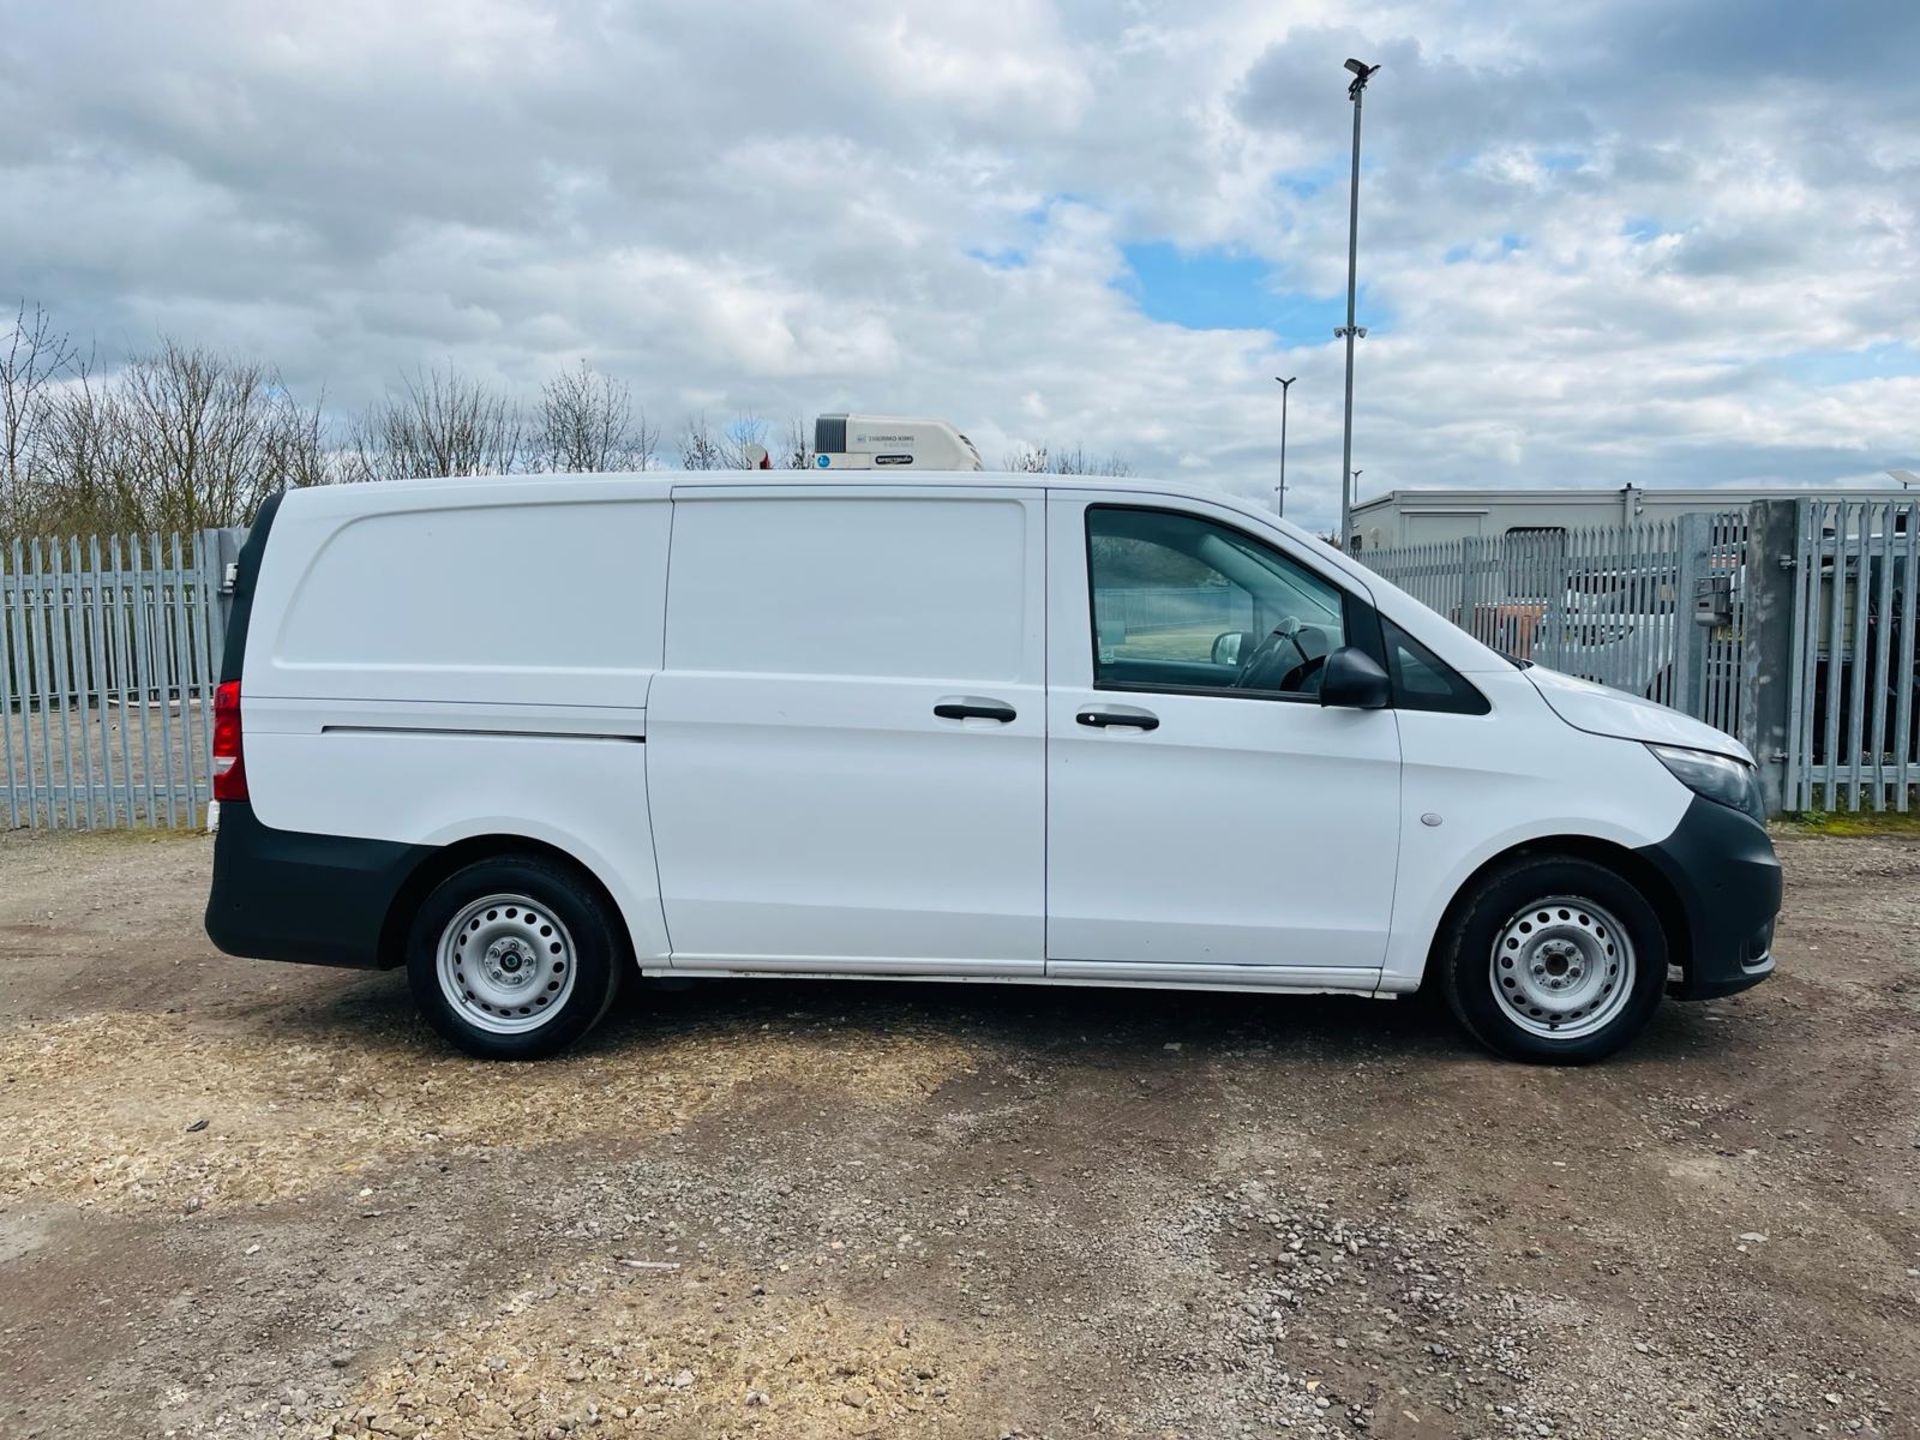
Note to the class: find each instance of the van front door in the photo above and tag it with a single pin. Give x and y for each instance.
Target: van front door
(1208, 819)
(846, 745)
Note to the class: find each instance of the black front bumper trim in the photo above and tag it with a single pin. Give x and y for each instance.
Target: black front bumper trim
(1721, 865)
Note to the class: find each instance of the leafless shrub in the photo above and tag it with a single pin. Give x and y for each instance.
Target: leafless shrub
(441, 423)
(587, 423)
(797, 453)
(700, 448)
(1043, 460)
(182, 439)
(743, 442)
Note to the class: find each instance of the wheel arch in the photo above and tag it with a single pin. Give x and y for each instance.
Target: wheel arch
(1634, 868)
(447, 859)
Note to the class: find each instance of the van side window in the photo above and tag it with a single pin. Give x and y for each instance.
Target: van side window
(1180, 603)
(1423, 681)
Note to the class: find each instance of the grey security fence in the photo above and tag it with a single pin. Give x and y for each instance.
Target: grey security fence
(109, 651)
(1853, 726)
(1147, 609)
(1655, 609)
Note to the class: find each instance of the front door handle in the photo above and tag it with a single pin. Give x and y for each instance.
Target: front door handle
(974, 707)
(1102, 717)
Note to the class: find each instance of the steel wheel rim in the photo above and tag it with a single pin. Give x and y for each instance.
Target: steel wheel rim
(1562, 968)
(506, 964)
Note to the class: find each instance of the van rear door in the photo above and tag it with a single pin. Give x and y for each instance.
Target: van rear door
(846, 746)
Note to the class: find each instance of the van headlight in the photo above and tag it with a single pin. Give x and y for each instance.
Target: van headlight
(1732, 783)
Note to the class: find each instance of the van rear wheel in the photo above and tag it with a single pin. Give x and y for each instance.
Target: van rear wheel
(1556, 960)
(513, 957)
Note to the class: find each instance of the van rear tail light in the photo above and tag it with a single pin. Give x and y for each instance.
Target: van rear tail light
(229, 764)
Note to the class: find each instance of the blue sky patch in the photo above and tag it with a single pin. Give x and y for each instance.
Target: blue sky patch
(1509, 242)
(1307, 183)
(1839, 367)
(1216, 290)
(1006, 257)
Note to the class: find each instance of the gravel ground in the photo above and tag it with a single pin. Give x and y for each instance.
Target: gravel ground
(240, 1199)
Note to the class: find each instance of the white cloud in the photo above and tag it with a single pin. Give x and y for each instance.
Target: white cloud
(783, 207)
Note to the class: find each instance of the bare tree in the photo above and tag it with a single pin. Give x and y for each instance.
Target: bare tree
(86, 473)
(1043, 460)
(1025, 459)
(1078, 462)
(442, 423)
(797, 453)
(700, 448)
(743, 442)
(178, 440)
(587, 423)
(34, 357)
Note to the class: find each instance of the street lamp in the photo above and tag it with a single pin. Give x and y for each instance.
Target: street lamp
(1280, 490)
(1362, 73)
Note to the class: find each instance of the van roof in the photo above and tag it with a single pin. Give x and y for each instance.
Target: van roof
(642, 484)
(520, 489)
(642, 481)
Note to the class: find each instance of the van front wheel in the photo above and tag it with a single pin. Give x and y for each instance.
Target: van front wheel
(1555, 959)
(513, 958)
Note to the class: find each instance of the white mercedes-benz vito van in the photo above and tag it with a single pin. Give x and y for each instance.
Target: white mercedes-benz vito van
(528, 736)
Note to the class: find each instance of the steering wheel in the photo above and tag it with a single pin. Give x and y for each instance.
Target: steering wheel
(1258, 671)
(1300, 676)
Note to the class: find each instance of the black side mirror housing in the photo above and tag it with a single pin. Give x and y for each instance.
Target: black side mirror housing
(1354, 679)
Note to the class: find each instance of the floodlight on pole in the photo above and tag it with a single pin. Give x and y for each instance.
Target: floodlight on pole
(1362, 72)
(1280, 490)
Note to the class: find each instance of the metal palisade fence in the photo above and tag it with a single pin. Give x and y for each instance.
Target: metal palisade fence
(109, 651)
(1617, 605)
(1853, 725)
(1789, 625)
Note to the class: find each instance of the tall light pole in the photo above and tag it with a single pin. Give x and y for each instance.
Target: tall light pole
(1361, 74)
(1280, 491)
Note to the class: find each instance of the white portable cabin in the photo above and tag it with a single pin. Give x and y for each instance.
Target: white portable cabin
(1420, 517)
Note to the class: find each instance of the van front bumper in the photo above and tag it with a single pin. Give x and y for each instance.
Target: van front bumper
(314, 899)
(1722, 868)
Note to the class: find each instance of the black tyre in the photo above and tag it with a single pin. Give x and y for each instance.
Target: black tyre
(514, 957)
(1555, 960)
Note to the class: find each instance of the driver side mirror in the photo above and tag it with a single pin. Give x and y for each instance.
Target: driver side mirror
(1354, 679)
(1231, 647)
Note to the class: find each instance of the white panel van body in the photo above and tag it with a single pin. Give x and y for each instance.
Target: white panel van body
(529, 736)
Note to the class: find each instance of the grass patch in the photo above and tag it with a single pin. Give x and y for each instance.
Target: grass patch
(1850, 823)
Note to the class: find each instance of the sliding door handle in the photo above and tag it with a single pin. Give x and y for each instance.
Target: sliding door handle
(974, 707)
(1103, 717)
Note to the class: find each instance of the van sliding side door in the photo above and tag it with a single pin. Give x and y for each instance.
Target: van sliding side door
(846, 745)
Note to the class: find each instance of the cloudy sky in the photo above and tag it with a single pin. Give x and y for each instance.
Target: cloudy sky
(1602, 241)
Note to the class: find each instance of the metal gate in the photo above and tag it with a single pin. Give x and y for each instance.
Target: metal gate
(109, 650)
